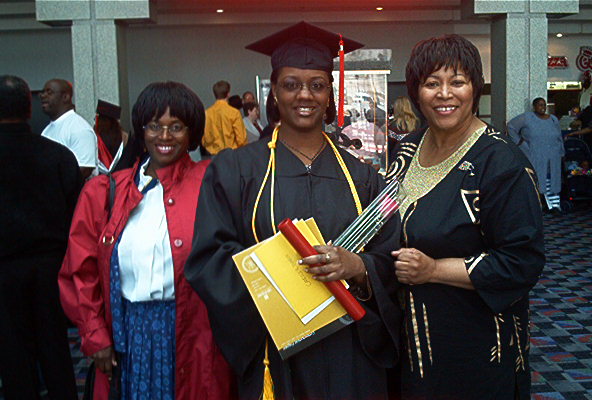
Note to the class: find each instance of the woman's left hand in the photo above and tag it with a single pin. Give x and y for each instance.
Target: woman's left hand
(336, 264)
(413, 267)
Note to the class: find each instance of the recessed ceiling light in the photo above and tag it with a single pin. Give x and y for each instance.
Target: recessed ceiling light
(559, 35)
(379, 8)
(219, 11)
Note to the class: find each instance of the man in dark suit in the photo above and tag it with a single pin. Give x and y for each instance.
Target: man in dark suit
(39, 185)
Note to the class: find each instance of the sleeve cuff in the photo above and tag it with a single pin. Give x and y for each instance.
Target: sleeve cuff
(95, 341)
(472, 262)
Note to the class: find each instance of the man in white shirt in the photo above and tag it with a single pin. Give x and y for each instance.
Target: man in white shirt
(67, 127)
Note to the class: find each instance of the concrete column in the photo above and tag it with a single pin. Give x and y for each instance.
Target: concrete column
(518, 64)
(98, 48)
(519, 40)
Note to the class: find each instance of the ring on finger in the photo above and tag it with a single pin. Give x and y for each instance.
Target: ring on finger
(327, 258)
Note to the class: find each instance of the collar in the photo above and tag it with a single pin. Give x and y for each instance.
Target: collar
(63, 116)
(174, 173)
(143, 181)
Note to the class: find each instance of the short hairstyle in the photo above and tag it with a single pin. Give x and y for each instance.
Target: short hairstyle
(65, 86)
(273, 111)
(15, 98)
(449, 51)
(537, 100)
(236, 101)
(221, 89)
(183, 103)
(248, 107)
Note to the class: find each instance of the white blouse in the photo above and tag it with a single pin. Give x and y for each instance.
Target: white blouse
(145, 257)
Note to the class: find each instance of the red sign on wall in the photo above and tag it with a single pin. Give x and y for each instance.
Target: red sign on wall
(556, 62)
(584, 59)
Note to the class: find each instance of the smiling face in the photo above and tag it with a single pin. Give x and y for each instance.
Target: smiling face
(540, 107)
(302, 108)
(446, 100)
(167, 146)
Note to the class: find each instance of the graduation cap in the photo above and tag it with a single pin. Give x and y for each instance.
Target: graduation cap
(108, 110)
(306, 46)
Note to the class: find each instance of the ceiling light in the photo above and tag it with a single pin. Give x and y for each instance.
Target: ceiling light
(219, 11)
(379, 8)
(559, 35)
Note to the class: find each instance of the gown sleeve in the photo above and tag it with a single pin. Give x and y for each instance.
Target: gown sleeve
(210, 269)
(379, 330)
(511, 224)
(79, 278)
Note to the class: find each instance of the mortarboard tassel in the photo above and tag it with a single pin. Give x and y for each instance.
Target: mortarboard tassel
(267, 381)
(340, 115)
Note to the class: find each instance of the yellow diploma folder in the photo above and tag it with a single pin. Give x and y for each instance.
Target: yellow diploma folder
(296, 309)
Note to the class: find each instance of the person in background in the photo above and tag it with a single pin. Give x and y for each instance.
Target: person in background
(122, 280)
(116, 150)
(583, 126)
(404, 119)
(403, 122)
(310, 180)
(249, 97)
(538, 135)
(39, 185)
(471, 238)
(251, 121)
(224, 123)
(236, 102)
(586, 94)
(273, 120)
(67, 127)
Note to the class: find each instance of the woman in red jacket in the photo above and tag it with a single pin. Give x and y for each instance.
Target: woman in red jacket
(122, 280)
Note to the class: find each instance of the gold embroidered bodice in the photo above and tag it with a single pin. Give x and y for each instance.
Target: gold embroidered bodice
(419, 180)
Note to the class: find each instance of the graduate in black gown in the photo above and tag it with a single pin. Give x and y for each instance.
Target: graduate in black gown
(308, 181)
(472, 238)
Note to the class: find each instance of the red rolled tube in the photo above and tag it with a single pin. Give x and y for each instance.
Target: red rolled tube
(343, 296)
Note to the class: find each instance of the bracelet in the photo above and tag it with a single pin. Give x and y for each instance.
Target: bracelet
(362, 294)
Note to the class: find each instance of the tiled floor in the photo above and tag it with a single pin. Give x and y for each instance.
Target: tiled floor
(561, 311)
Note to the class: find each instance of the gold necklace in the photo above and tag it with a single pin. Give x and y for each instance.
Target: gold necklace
(311, 159)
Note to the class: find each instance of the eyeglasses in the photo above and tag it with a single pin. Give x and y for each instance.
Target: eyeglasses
(315, 87)
(155, 129)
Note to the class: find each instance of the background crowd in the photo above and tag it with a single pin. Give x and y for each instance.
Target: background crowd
(140, 256)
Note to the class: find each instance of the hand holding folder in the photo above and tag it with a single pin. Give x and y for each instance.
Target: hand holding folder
(303, 247)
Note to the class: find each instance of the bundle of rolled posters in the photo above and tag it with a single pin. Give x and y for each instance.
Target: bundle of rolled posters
(371, 220)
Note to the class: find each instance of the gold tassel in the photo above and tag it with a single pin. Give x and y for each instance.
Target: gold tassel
(267, 380)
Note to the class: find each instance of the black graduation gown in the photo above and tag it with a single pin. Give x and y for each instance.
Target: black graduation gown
(349, 364)
(473, 344)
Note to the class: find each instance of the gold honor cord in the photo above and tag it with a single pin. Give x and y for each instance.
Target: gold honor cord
(267, 393)
(271, 169)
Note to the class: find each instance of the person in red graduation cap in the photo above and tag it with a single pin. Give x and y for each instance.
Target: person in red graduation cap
(311, 178)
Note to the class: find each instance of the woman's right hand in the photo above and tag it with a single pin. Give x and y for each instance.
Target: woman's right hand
(105, 360)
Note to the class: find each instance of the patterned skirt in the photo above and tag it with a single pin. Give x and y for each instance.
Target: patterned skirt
(148, 360)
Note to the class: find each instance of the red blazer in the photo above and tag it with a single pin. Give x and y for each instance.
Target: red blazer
(201, 372)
